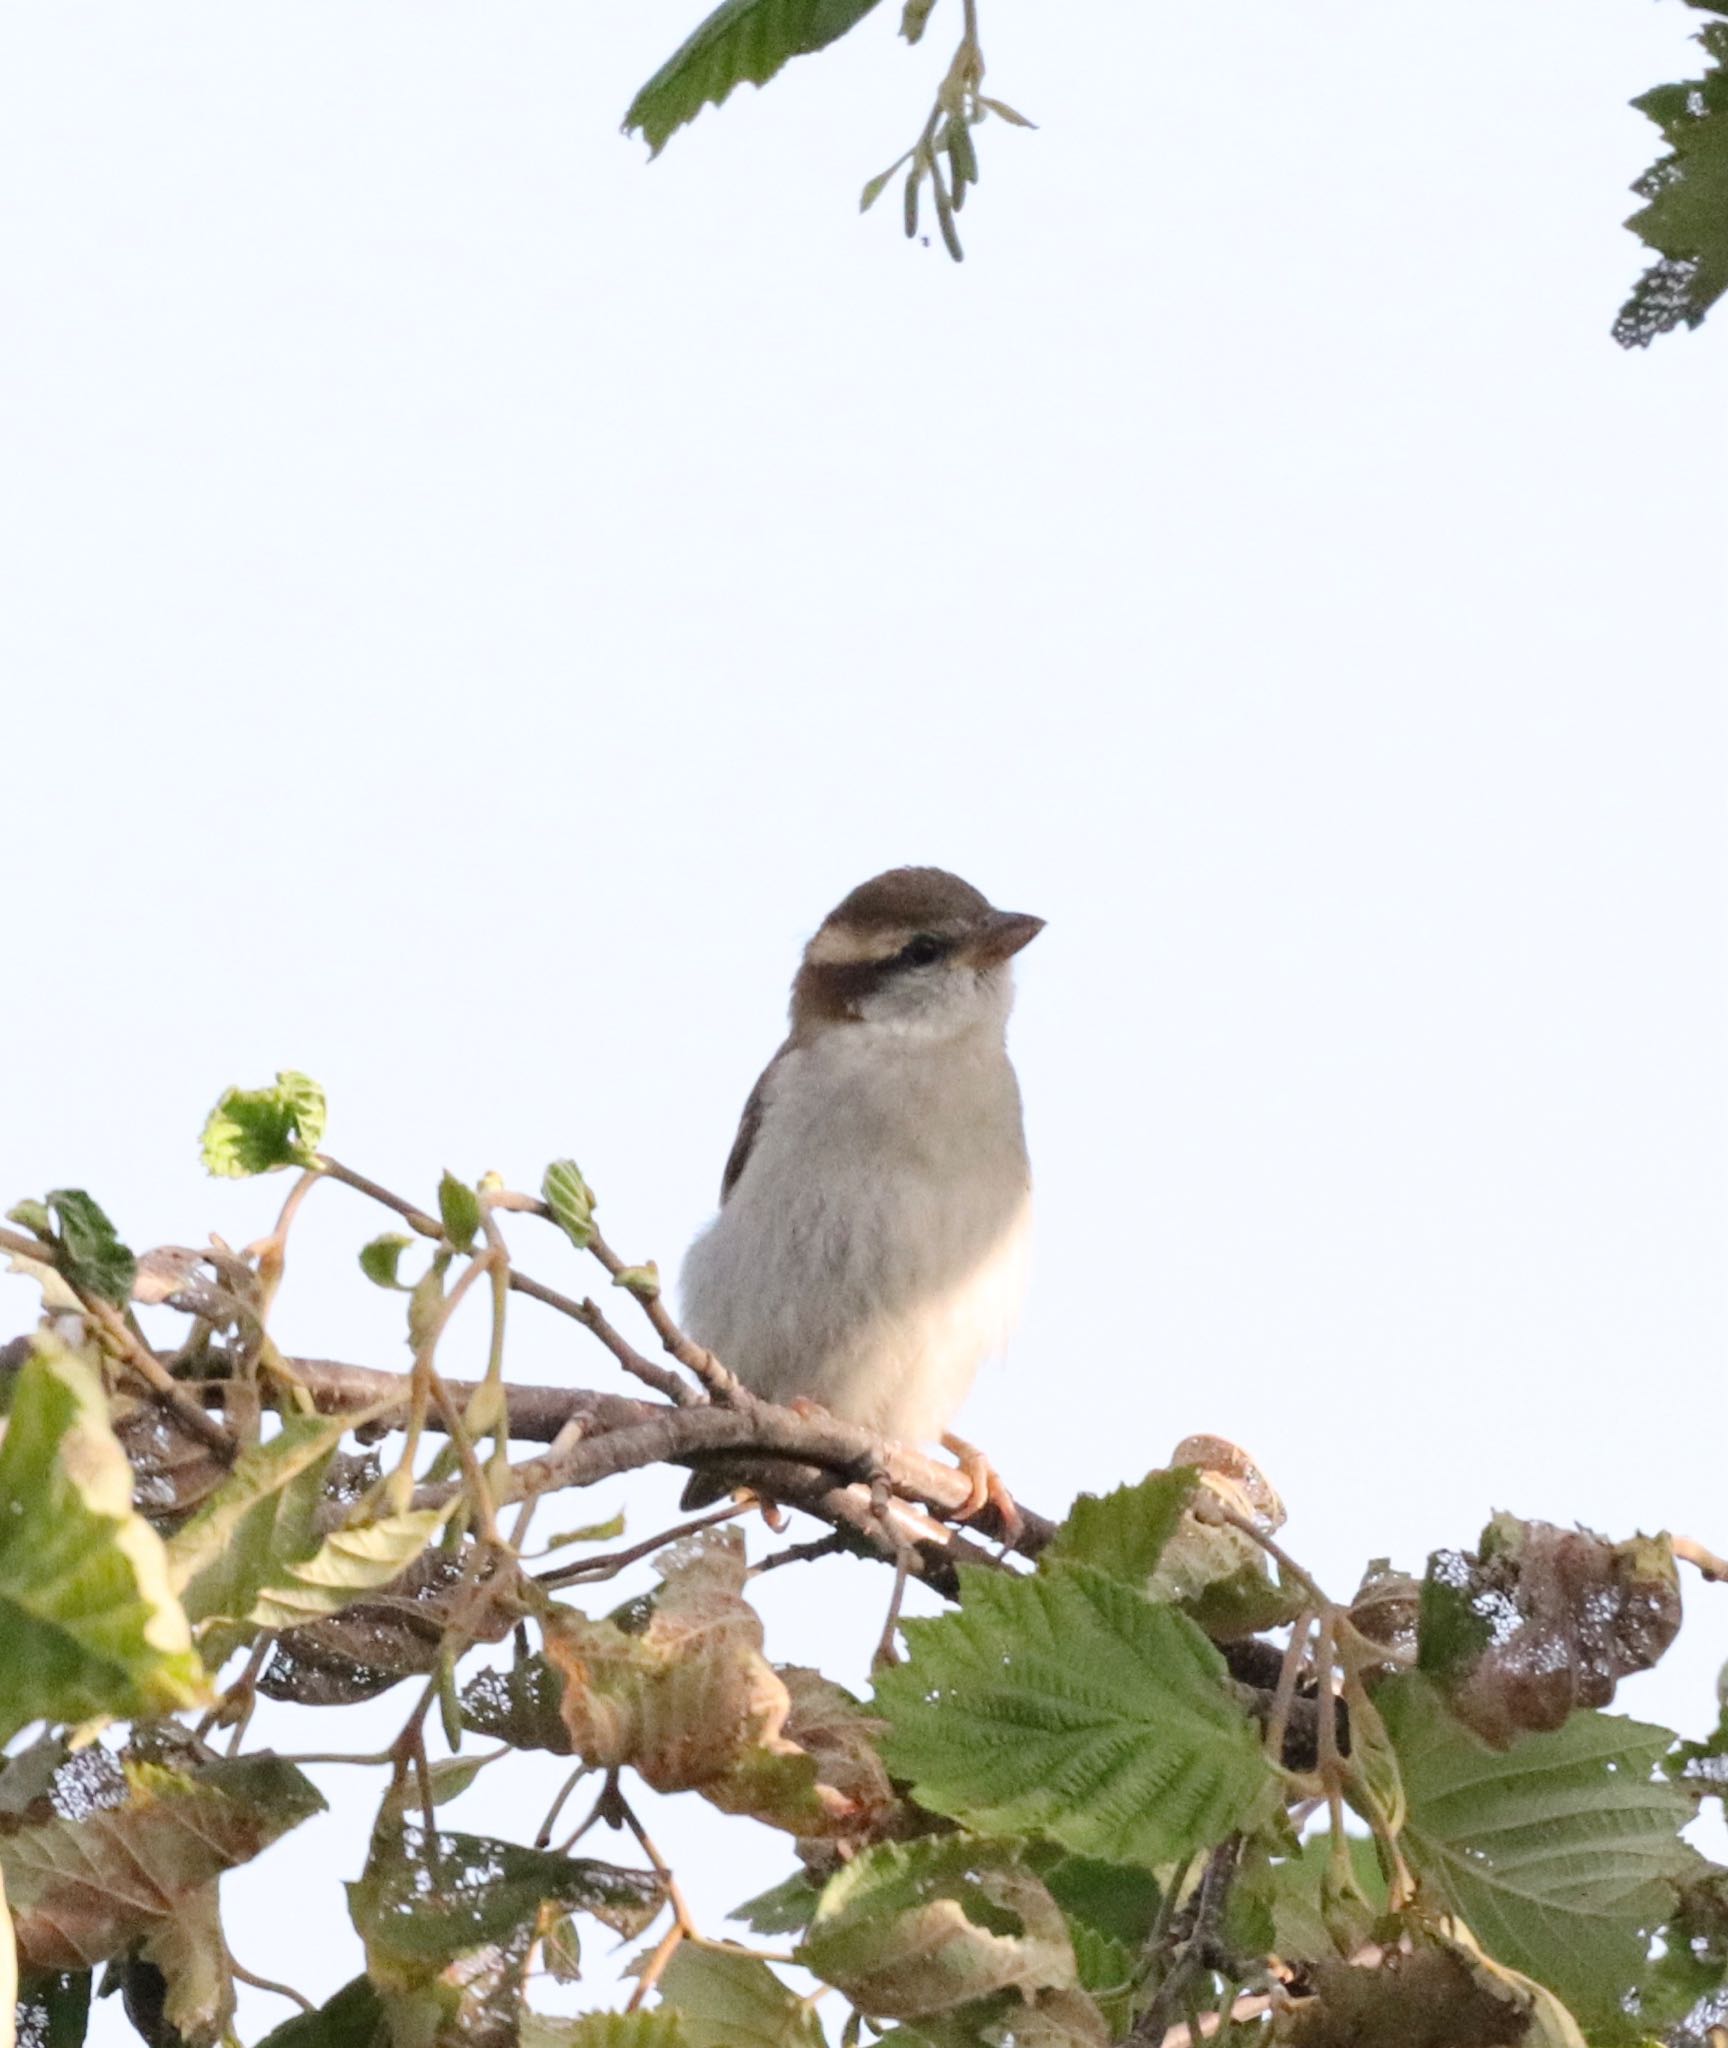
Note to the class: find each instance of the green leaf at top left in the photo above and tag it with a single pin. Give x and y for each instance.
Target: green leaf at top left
(87, 1613)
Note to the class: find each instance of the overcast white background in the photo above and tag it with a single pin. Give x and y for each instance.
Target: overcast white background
(473, 601)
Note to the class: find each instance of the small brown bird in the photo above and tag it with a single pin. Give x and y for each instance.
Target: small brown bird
(875, 1211)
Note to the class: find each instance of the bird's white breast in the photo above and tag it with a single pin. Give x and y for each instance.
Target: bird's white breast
(873, 1250)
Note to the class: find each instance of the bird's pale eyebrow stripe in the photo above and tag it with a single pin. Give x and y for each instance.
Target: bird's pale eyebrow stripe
(850, 945)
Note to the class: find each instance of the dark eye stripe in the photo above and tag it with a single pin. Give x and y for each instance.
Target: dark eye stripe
(921, 951)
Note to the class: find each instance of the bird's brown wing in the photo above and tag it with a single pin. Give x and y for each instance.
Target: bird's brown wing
(748, 1126)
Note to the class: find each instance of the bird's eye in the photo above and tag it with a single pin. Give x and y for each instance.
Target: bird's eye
(919, 952)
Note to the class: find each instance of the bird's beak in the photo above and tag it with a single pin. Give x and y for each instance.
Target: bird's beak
(1000, 937)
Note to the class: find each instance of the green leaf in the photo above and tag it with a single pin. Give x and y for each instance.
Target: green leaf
(89, 1620)
(381, 1260)
(53, 2007)
(91, 1255)
(32, 1216)
(1562, 1854)
(909, 1929)
(522, 1706)
(785, 1908)
(449, 1922)
(184, 1961)
(571, 1201)
(1124, 1533)
(259, 1519)
(353, 2018)
(727, 2001)
(1685, 218)
(256, 1130)
(459, 1207)
(445, 1778)
(741, 39)
(641, 1281)
(589, 1532)
(660, 2029)
(1067, 1705)
(83, 1890)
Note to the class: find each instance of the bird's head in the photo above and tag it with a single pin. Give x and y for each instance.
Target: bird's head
(916, 951)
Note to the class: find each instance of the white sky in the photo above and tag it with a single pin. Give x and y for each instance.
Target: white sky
(472, 603)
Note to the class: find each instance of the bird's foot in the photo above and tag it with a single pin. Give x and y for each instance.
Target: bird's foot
(987, 1487)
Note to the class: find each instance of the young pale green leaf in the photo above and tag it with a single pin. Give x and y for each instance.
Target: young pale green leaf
(257, 1130)
(910, 1929)
(641, 1281)
(381, 1260)
(1069, 1706)
(32, 1216)
(83, 1890)
(260, 1520)
(915, 18)
(1685, 218)
(459, 1209)
(426, 1305)
(87, 1614)
(589, 1532)
(347, 1564)
(1562, 1854)
(727, 2001)
(571, 1201)
(741, 40)
(91, 1254)
(878, 184)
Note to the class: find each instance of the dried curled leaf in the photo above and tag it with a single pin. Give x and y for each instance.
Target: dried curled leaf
(678, 1688)
(84, 1886)
(1540, 1621)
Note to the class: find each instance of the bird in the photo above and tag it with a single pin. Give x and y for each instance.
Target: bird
(871, 1243)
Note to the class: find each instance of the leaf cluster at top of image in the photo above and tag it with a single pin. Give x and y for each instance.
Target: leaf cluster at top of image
(1144, 1780)
(1684, 219)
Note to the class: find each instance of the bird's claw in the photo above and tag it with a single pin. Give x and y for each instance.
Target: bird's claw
(987, 1488)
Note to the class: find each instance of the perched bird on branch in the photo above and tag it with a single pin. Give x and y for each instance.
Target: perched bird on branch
(874, 1214)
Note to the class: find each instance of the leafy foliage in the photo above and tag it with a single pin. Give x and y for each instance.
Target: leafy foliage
(741, 40)
(86, 1611)
(257, 1130)
(1070, 1706)
(1072, 1818)
(1563, 1853)
(1685, 215)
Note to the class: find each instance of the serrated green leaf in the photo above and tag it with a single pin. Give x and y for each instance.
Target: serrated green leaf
(91, 1254)
(910, 1929)
(1124, 1533)
(1685, 218)
(381, 1260)
(1067, 1705)
(660, 2029)
(258, 1521)
(459, 1209)
(83, 1890)
(88, 1617)
(734, 2001)
(571, 1201)
(347, 1564)
(741, 40)
(1562, 1853)
(257, 1130)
